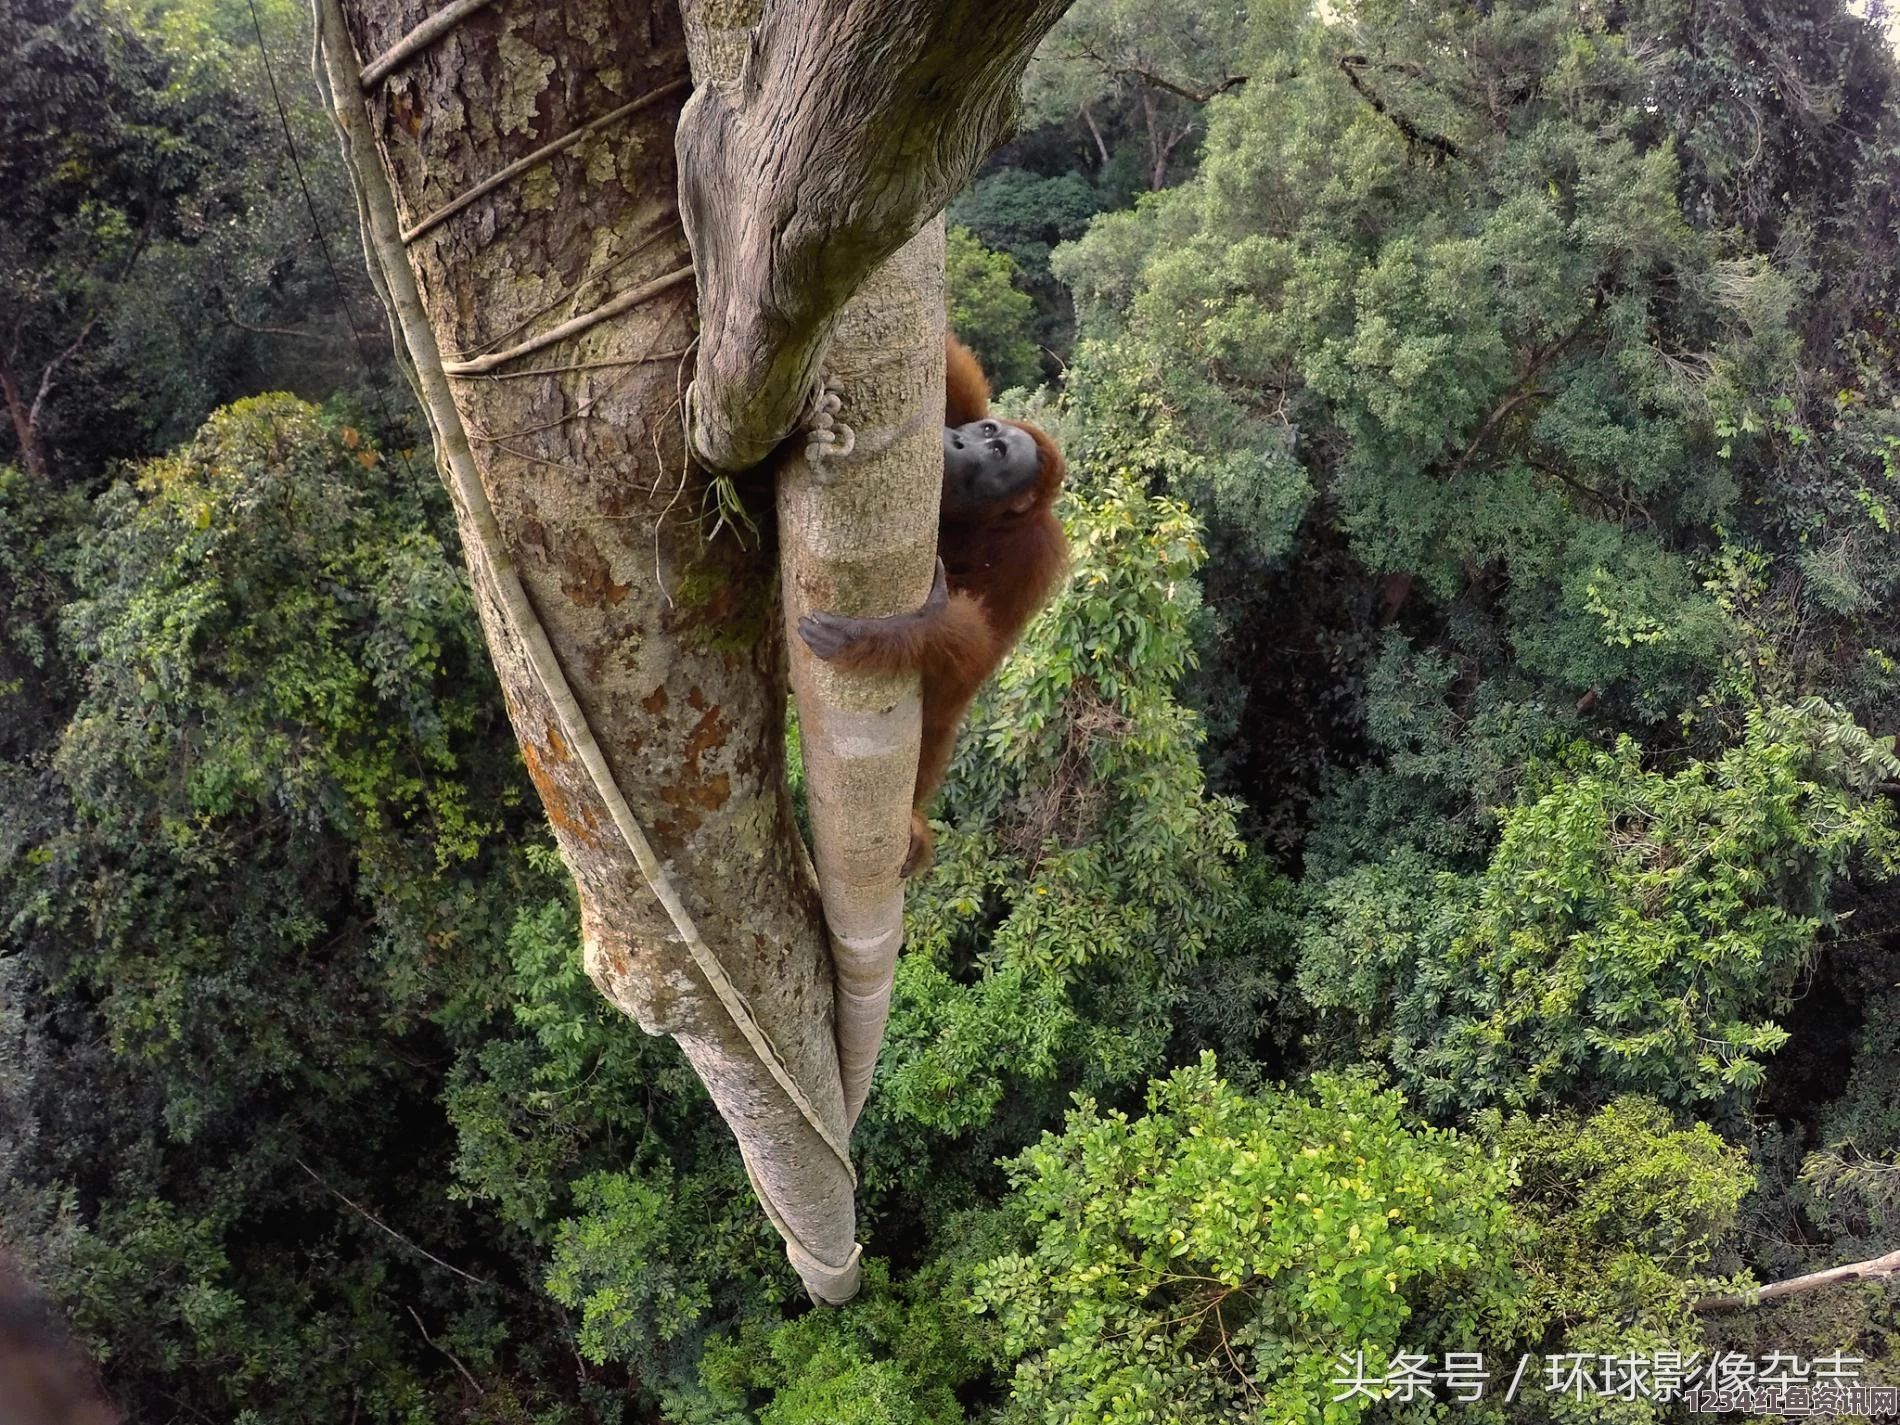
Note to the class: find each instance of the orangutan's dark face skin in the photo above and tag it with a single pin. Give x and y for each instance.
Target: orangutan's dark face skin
(987, 463)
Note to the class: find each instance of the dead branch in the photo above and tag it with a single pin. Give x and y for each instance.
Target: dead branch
(1875, 1269)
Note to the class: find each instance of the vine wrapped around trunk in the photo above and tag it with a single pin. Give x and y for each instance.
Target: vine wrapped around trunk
(515, 170)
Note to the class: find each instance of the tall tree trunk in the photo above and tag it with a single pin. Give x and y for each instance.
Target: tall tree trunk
(1157, 147)
(26, 430)
(666, 642)
(861, 533)
(1095, 132)
(822, 136)
(515, 167)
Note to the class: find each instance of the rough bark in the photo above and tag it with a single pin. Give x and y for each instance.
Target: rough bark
(528, 228)
(824, 135)
(668, 642)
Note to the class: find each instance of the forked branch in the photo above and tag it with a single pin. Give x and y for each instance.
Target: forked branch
(823, 135)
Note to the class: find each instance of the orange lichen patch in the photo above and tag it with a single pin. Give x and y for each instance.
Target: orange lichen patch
(655, 702)
(566, 813)
(706, 735)
(691, 798)
(585, 576)
(557, 745)
(402, 108)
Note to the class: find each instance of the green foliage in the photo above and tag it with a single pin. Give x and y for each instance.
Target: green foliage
(1628, 1185)
(1213, 1259)
(1024, 215)
(1099, 47)
(643, 1252)
(1498, 408)
(158, 256)
(1623, 1220)
(1020, 215)
(37, 535)
(1487, 310)
(1084, 863)
(987, 312)
(263, 660)
(1635, 930)
(1447, 762)
(599, 1145)
(895, 1356)
(1140, 70)
(262, 886)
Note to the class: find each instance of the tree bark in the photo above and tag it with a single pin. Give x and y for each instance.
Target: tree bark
(1095, 132)
(860, 533)
(26, 430)
(821, 137)
(666, 641)
(1874, 1269)
(825, 135)
(528, 228)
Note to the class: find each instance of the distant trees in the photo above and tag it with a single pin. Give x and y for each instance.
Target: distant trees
(158, 256)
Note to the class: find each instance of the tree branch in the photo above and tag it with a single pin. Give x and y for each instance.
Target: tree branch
(1523, 391)
(1875, 1269)
(1095, 132)
(1350, 65)
(1147, 76)
(51, 369)
(376, 1221)
(794, 185)
(1498, 413)
(301, 333)
(1195, 96)
(454, 1360)
(23, 431)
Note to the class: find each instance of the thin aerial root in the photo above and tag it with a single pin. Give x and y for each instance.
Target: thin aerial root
(417, 40)
(613, 307)
(541, 155)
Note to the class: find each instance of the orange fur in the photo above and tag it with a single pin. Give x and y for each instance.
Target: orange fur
(966, 390)
(1001, 564)
(1002, 567)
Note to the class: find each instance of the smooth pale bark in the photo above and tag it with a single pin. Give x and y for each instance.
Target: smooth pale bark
(859, 533)
(669, 643)
(822, 136)
(1874, 1269)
